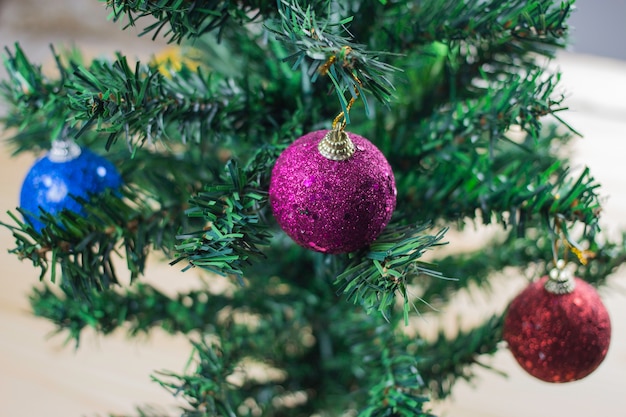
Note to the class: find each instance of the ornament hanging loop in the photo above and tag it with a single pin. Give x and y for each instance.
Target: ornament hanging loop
(562, 237)
(341, 120)
(561, 280)
(337, 145)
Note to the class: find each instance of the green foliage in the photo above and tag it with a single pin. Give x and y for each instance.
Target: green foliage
(518, 185)
(526, 26)
(464, 109)
(206, 390)
(83, 247)
(399, 388)
(458, 355)
(234, 232)
(534, 252)
(138, 310)
(180, 19)
(38, 108)
(373, 280)
(142, 103)
(328, 51)
(128, 225)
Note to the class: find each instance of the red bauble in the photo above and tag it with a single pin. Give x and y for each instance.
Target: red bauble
(558, 337)
(331, 195)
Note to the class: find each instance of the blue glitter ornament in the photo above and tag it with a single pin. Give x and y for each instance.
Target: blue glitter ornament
(67, 171)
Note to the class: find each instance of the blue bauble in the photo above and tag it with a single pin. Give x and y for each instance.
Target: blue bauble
(50, 185)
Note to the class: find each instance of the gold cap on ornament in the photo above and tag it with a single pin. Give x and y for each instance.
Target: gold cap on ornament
(336, 145)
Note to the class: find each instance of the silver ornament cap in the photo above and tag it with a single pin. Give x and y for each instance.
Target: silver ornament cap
(561, 280)
(63, 150)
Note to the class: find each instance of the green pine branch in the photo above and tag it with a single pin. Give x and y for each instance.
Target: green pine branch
(523, 25)
(398, 390)
(83, 247)
(374, 278)
(206, 389)
(234, 232)
(497, 81)
(387, 381)
(458, 174)
(177, 20)
(306, 333)
(37, 107)
(481, 116)
(142, 105)
(137, 310)
(322, 47)
(449, 359)
(535, 250)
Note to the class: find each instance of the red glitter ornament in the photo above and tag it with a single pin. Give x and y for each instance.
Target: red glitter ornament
(558, 328)
(331, 192)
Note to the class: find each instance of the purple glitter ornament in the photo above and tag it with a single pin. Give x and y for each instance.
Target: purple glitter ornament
(332, 206)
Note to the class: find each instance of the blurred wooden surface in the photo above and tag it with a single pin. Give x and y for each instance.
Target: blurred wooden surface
(39, 375)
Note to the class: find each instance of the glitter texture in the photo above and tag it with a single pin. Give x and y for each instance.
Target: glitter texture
(558, 337)
(50, 185)
(332, 206)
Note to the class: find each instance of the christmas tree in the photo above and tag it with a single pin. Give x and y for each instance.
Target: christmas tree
(318, 262)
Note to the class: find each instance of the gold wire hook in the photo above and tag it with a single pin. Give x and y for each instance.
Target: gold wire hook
(582, 255)
(324, 68)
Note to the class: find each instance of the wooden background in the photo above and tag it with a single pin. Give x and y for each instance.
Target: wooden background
(39, 375)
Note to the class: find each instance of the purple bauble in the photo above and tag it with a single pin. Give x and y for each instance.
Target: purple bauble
(332, 206)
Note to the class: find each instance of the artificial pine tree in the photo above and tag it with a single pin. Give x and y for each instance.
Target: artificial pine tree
(455, 118)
